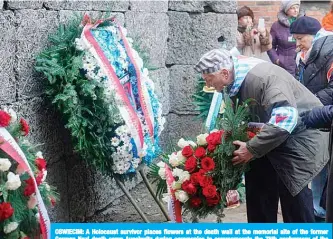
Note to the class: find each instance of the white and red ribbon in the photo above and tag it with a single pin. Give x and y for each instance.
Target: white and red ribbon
(10, 147)
(174, 205)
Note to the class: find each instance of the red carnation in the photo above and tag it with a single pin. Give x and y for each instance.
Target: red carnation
(250, 134)
(6, 211)
(195, 202)
(24, 127)
(207, 164)
(209, 191)
(191, 164)
(39, 178)
(53, 201)
(29, 187)
(215, 138)
(187, 151)
(214, 200)
(40, 163)
(4, 118)
(206, 181)
(200, 152)
(189, 187)
(211, 147)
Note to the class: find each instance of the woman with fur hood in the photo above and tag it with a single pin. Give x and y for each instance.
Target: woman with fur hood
(251, 42)
(283, 52)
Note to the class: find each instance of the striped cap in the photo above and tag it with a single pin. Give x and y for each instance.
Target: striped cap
(214, 61)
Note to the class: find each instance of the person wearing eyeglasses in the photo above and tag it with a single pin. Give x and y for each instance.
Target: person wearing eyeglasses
(315, 67)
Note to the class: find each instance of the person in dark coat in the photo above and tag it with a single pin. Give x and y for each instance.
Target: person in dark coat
(322, 118)
(315, 66)
(286, 156)
(283, 45)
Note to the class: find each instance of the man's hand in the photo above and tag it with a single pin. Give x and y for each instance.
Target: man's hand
(242, 155)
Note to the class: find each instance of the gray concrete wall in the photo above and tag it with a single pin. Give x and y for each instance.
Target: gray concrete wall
(174, 33)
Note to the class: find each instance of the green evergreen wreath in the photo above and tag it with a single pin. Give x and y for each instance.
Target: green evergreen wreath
(79, 88)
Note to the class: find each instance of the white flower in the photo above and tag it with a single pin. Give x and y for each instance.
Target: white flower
(115, 141)
(12, 113)
(161, 173)
(13, 181)
(20, 170)
(89, 66)
(44, 175)
(47, 186)
(181, 195)
(37, 217)
(173, 160)
(4, 164)
(182, 143)
(122, 130)
(176, 185)
(161, 164)
(39, 154)
(79, 44)
(181, 157)
(201, 139)
(32, 202)
(181, 174)
(10, 227)
(166, 197)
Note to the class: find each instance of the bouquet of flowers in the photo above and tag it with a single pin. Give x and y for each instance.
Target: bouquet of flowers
(200, 176)
(23, 189)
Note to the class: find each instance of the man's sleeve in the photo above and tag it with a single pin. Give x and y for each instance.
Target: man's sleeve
(280, 105)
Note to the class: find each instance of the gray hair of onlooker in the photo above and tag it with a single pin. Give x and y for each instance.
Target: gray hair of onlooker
(214, 61)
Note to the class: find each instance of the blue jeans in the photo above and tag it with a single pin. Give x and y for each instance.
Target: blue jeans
(317, 186)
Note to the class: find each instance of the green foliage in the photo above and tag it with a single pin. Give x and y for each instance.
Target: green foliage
(80, 100)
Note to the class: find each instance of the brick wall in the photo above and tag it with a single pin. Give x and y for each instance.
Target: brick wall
(269, 9)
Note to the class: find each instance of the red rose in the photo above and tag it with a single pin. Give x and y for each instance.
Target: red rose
(195, 202)
(24, 127)
(200, 152)
(207, 164)
(209, 191)
(214, 200)
(191, 164)
(6, 211)
(211, 147)
(250, 134)
(187, 151)
(215, 138)
(29, 187)
(206, 181)
(4, 118)
(197, 177)
(40, 163)
(189, 187)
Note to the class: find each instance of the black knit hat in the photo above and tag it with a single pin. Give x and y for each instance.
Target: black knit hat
(305, 25)
(245, 11)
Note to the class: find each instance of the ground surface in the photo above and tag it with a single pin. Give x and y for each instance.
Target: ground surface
(125, 212)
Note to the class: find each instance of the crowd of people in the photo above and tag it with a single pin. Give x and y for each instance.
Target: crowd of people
(288, 71)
